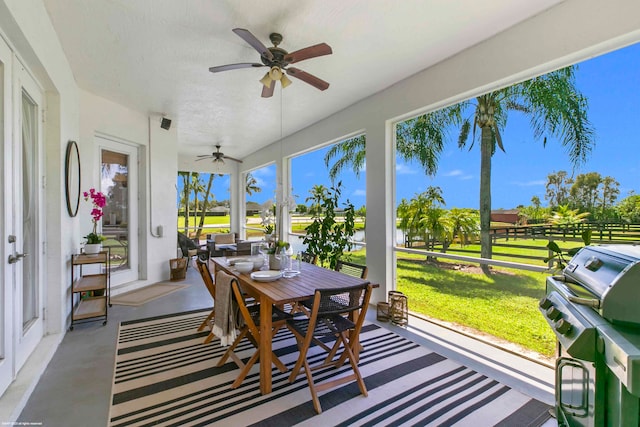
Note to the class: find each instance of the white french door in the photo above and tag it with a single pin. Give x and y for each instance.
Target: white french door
(119, 183)
(22, 294)
(7, 360)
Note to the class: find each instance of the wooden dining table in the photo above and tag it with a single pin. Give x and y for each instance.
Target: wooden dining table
(282, 291)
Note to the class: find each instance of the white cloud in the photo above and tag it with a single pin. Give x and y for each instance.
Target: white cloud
(455, 172)
(404, 169)
(363, 169)
(530, 183)
(359, 193)
(466, 177)
(264, 176)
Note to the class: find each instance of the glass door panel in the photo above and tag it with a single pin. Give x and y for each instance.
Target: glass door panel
(29, 215)
(119, 184)
(28, 227)
(115, 222)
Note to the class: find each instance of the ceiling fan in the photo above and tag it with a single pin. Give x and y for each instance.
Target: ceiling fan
(278, 60)
(217, 156)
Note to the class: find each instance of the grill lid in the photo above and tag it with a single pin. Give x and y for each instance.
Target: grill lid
(612, 274)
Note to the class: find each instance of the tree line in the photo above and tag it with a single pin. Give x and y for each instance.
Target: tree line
(590, 195)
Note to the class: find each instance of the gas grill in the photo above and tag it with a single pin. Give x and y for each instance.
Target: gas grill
(593, 308)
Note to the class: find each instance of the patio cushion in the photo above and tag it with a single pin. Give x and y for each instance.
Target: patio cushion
(224, 239)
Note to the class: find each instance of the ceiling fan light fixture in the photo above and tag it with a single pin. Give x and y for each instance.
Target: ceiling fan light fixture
(284, 81)
(266, 80)
(275, 73)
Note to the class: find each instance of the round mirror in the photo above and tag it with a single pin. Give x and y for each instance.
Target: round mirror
(72, 178)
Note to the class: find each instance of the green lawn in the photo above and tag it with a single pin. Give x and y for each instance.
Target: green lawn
(208, 220)
(504, 305)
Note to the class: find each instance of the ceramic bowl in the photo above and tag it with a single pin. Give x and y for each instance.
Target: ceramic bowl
(258, 262)
(244, 266)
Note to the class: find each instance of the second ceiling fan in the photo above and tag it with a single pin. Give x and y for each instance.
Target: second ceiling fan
(278, 61)
(217, 156)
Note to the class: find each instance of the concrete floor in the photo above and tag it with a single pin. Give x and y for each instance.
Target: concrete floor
(75, 388)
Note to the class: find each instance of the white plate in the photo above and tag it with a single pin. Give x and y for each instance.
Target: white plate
(266, 276)
(233, 261)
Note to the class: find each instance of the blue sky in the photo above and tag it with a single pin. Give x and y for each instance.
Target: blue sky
(611, 84)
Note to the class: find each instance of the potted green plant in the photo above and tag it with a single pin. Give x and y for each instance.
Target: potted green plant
(275, 254)
(328, 236)
(94, 240)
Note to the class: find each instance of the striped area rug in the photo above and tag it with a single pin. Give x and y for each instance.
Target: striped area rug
(164, 375)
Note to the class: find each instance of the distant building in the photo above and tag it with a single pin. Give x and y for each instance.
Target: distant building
(219, 211)
(511, 216)
(253, 208)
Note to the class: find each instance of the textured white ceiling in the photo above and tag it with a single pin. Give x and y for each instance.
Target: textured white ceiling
(153, 56)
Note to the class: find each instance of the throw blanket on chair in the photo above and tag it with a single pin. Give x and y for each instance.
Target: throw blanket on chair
(224, 326)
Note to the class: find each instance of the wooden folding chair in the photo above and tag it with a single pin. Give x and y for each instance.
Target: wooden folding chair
(203, 268)
(250, 315)
(352, 269)
(308, 257)
(327, 320)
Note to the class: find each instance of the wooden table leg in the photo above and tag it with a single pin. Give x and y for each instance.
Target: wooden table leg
(265, 345)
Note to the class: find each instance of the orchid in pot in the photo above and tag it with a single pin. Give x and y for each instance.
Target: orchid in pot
(267, 217)
(94, 240)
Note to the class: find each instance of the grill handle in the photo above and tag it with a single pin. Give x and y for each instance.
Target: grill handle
(589, 302)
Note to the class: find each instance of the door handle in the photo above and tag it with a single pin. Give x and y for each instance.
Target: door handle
(16, 257)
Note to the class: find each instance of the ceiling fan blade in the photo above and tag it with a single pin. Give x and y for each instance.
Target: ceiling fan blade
(234, 66)
(254, 42)
(308, 52)
(267, 92)
(203, 158)
(204, 155)
(231, 158)
(308, 78)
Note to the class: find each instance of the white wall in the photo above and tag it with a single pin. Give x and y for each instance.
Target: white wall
(101, 116)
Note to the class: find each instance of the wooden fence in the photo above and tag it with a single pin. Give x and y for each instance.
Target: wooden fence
(601, 234)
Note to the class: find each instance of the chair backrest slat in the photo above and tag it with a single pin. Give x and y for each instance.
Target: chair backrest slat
(339, 301)
(352, 269)
(308, 257)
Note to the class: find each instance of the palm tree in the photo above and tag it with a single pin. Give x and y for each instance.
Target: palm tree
(205, 205)
(404, 215)
(317, 192)
(251, 185)
(197, 186)
(186, 190)
(350, 152)
(464, 223)
(553, 104)
(567, 216)
(421, 138)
